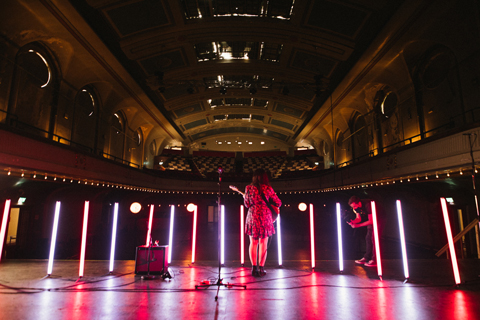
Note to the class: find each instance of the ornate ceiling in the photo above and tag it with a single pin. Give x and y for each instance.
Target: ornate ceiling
(225, 69)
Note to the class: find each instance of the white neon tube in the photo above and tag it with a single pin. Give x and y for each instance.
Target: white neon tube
(84, 238)
(339, 236)
(242, 236)
(149, 231)
(451, 244)
(377, 239)
(279, 240)
(194, 236)
(222, 236)
(402, 239)
(312, 237)
(3, 230)
(54, 238)
(114, 235)
(170, 236)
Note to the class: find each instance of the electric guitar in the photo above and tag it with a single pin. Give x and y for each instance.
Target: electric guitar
(275, 209)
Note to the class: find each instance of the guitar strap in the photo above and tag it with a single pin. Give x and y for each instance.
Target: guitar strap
(274, 218)
(274, 214)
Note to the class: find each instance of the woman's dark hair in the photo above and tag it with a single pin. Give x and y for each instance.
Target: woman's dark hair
(260, 176)
(354, 199)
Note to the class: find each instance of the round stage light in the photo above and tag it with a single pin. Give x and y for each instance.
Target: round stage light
(191, 207)
(302, 206)
(135, 207)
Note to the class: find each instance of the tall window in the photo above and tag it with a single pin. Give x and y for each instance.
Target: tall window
(117, 135)
(360, 146)
(85, 115)
(32, 106)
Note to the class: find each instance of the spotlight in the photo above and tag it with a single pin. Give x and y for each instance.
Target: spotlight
(191, 207)
(135, 207)
(223, 90)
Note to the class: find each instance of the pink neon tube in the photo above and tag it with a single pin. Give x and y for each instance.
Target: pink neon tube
(84, 238)
(377, 240)
(170, 235)
(312, 237)
(279, 240)
(6, 213)
(339, 236)
(150, 219)
(114, 236)
(402, 239)
(54, 238)
(194, 235)
(451, 244)
(242, 237)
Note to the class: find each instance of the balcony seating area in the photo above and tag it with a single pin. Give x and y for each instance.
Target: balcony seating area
(205, 164)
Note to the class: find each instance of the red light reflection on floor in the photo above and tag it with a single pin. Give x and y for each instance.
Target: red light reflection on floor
(460, 310)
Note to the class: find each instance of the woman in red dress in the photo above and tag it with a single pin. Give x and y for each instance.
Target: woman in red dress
(259, 222)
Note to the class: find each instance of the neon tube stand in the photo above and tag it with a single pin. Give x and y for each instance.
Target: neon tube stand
(339, 236)
(53, 240)
(377, 240)
(279, 241)
(312, 237)
(451, 244)
(6, 213)
(114, 236)
(402, 241)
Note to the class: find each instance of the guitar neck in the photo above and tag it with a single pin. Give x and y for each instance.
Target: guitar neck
(236, 190)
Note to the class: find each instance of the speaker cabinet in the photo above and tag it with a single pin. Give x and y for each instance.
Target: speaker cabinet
(158, 260)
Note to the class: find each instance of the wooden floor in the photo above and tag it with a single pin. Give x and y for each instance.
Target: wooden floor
(292, 291)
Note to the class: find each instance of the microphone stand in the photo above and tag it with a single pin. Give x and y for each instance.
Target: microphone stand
(219, 222)
(148, 276)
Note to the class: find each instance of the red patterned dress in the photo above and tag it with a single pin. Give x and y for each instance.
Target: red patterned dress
(259, 222)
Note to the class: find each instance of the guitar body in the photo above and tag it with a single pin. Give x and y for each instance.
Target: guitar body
(274, 210)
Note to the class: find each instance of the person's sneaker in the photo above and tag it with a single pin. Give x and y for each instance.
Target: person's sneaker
(361, 261)
(371, 263)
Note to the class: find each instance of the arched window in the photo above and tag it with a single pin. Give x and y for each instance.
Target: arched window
(85, 119)
(389, 104)
(32, 106)
(360, 136)
(138, 137)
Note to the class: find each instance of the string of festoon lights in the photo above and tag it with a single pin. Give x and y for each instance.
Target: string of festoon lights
(61, 178)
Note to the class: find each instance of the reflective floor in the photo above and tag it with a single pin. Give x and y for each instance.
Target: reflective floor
(289, 292)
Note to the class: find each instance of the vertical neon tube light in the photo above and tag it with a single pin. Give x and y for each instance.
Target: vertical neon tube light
(242, 236)
(84, 238)
(279, 240)
(170, 236)
(54, 238)
(194, 235)
(402, 239)
(312, 237)
(6, 212)
(339, 236)
(451, 244)
(222, 236)
(150, 219)
(114, 236)
(377, 240)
